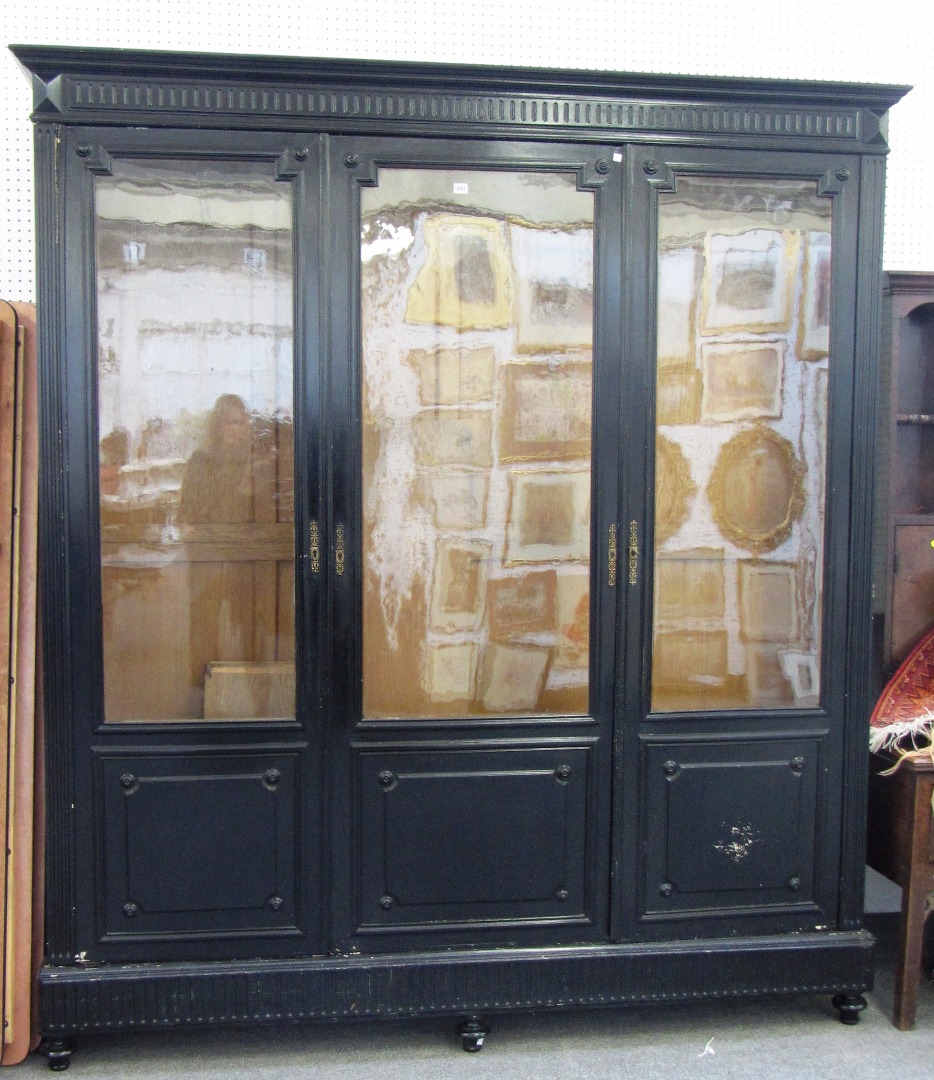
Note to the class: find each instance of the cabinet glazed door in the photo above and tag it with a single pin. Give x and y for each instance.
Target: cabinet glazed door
(474, 495)
(197, 700)
(740, 705)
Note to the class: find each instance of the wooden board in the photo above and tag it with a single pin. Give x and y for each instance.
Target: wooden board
(18, 547)
(9, 354)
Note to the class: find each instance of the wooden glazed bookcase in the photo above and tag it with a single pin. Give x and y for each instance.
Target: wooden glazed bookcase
(456, 501)
(909, 300)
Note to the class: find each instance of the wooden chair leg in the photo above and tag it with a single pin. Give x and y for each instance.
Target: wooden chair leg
(910, 945)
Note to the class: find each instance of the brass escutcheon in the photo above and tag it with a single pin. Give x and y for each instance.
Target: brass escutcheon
(611, 556)
(314, 547)
(633, 551)
(339, 551)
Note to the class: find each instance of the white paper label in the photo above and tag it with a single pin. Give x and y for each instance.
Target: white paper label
(461, 189)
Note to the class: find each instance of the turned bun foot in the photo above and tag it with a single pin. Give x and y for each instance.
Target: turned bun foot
(473, 1031)
(849, 1006)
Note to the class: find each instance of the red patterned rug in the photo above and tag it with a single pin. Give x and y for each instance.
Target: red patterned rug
(904, 714)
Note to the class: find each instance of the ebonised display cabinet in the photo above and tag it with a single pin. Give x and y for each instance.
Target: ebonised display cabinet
(456, 513)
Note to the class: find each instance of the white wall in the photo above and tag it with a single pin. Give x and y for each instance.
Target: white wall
(851, 40)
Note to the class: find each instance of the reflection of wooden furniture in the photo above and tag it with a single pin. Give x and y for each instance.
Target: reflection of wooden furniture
(901, 846)
(160, 587)
(237, 690)
(910, 574)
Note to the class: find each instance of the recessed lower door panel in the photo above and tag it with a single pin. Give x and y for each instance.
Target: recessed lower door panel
(468, 838)
(200, 843)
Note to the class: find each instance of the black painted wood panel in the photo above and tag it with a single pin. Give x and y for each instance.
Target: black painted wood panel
(465, 838)
(730, 825)
(867, 331)
(429, 983)
(56, 662)
(202, 843)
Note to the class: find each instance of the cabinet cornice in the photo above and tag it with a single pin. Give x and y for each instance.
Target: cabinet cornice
(107, 86)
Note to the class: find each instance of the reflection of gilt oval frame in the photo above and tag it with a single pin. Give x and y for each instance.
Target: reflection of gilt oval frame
(674, 488)
(738, 501)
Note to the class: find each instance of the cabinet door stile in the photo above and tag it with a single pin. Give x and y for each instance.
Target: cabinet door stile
(751, 351)
(183, 440)
(484, 467)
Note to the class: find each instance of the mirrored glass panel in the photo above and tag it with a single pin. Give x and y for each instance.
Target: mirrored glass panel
(194, 308)
(740, 444)
(477, 385)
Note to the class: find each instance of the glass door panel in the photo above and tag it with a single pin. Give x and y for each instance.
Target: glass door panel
(477, 335)
(741, 437)
(195, 359)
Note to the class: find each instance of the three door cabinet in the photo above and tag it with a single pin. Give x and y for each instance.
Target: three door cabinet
(456, 512)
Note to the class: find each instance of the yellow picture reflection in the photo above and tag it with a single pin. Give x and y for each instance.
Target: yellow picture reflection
(743, 344)
(477, 400)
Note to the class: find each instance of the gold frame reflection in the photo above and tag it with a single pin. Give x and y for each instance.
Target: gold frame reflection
(674, 488)
(756, 474)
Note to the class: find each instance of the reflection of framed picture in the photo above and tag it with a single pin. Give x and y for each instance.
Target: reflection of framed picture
(742, 380)
(572, 652)
(820, 429)
(800, 669)
(546, 411)
(756, 489)
(765, 676)
(454, 437)
(453, 376)
(768, 601)
(814, 325)
(690, 656)
(554, 288)
(690, 585)
(452, 672)
(549, 517)
(512, 678)
(464, 281)
(459, 587)
(747, 285)
(522, 604)
(678, 271)
(674, 488)
(459, 498)
(678, 395)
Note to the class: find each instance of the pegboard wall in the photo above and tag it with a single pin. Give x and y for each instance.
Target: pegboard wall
(808, 39)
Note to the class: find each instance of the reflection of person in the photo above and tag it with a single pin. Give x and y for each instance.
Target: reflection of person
(114, 454)
(218, 489)
(218, 483)
(156, 440)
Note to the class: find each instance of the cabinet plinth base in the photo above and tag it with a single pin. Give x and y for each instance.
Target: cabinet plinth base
(99, 998)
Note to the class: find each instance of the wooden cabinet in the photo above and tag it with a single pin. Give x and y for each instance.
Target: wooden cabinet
(909, 303)
(456, 508)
